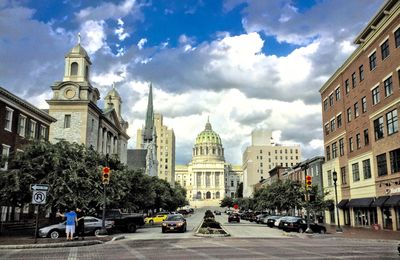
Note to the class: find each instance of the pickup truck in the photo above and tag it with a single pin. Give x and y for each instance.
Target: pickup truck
(127, 222)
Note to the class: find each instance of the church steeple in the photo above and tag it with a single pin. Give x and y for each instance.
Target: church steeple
(149, 124)
(77, 64)
(113, 100)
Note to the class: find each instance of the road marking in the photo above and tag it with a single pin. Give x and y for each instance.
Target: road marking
(12, 252)
(133, 252)
(191, 250)
(73, 253)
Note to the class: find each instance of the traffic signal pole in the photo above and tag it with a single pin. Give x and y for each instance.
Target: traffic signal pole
(308, 184)
(105, 173)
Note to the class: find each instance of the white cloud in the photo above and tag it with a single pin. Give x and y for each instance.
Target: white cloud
(108, 10)
(141, 43)
(94, 36)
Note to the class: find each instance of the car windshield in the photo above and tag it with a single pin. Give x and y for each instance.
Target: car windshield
(174, 218)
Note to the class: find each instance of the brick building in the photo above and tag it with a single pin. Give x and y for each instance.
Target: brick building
(360, 104)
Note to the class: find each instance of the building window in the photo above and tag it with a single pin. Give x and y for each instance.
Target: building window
(337, 93)
(381, 164)
(74, 69)
(375, 96)
(356, 112)
(328, 153)
(343, 174)
(361, 72)
(397, 38)
(22, 125)
(4, 155)
(388, 85)
(43, 131)
(232, 184)
(356, 172)
(347, 86)
(351, 147)
(329, 178)
(8, 119)
(358, 141)
(334, 150)
(67, 121)
(32, 130)
(353, 79)
(339, 121)
(395, 161)
(327, 129)
(341, 147)
(332, 125)
(366, 137)
(349, 115)
(325, 104)
(378, 126)
(331, 100)
(391, 121)
(366, 169)
(364, 104)
(372, 61)
(385, 49)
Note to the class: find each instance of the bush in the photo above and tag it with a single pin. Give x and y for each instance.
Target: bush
(209, 215)
(211, 223)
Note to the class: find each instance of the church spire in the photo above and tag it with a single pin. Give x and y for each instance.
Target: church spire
(149, 124)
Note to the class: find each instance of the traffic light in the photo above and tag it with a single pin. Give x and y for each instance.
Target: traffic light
(308, 181)
(106, 175)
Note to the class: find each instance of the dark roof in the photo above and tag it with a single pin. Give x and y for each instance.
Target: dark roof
(393, 201)
(361, 203)
(379, 201)
(136, 159)
(343, 204)
(26, 105)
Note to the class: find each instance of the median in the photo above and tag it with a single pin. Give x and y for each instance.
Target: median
(209, 227)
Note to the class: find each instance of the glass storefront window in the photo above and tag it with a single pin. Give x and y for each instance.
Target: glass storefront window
(364, 217)
(387, 218)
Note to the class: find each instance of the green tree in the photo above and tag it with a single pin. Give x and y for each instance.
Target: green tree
(226, 202)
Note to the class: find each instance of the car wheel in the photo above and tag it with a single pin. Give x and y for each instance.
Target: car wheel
(54, 234)
(163, 230)
(97, 232)
(322, 231)
(132, 228)
(301, 230)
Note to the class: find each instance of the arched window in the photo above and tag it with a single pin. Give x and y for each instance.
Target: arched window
(74, 68)
(208, 195)
(217, 195)
(198, 195)
(87, 72)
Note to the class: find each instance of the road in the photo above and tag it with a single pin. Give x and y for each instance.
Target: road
(248, 241)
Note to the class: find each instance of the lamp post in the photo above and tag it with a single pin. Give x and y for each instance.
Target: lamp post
(334, 177)
(308, 230)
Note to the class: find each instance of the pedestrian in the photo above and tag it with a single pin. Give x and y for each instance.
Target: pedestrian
(80, 229)
(70, 225)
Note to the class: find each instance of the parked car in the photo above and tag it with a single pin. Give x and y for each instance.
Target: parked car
(157, 218)
(124, 221)
(260, 216)
(279, 220)
(300, 225)
(92, 227)
(217, 212)
(270, 220)
(174, 223)
(285, 220)
(234, 217)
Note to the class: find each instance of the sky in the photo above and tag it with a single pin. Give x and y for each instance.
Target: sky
(245, 64)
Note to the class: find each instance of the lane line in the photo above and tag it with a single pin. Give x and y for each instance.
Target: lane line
(133, 251)
(12, 252)
(73, 253)
(191, 251)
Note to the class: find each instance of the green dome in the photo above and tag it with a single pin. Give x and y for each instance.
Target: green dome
(208, 136)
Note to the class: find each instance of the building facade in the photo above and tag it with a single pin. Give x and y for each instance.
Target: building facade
(208, 178)
(79, 119)
(20, 123)
(262, 156)
(360, 104)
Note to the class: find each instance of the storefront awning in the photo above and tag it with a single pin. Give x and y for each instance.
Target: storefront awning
(393, 201)
(379, 201)
(361, 203)
(343, 204)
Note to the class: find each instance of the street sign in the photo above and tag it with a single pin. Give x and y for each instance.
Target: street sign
(41, 187)
(39, 197)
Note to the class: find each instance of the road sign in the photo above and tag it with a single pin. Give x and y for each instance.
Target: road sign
(39, 197)
(41, 187)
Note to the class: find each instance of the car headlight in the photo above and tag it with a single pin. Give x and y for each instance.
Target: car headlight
(179, 224)
(164, 224)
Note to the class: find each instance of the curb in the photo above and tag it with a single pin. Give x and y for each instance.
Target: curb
(118, 238)
(53, 245)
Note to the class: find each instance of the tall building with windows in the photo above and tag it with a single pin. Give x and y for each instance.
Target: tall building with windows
(79, 118)
(360, 104)
(208, 178)
(262, 156)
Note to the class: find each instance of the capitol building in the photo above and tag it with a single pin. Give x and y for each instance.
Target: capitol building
(208, 178)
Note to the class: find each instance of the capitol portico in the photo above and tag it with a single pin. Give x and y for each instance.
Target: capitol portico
(207, 175)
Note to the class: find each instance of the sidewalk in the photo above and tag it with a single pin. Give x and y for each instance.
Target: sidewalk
(363, 233)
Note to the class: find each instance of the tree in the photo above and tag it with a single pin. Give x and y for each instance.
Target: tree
(226, 202)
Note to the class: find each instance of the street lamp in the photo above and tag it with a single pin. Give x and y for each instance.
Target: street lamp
(334, 177)
(304, 167)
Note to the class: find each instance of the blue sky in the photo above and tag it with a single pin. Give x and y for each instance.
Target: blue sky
(246, 64)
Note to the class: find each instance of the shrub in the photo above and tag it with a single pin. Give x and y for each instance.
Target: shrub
(210, 223)
(209, 215)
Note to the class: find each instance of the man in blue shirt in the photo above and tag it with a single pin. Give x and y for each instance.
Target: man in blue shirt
(70, 223)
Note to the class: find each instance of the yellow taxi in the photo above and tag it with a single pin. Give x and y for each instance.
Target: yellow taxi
(156, 219)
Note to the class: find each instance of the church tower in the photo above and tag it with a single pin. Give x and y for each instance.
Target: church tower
(113, 100)
(77, 64)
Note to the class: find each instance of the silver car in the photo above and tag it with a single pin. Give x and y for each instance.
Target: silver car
(92, 226)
